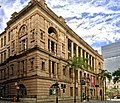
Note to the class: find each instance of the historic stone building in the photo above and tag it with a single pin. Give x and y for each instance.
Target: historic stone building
(34, 49)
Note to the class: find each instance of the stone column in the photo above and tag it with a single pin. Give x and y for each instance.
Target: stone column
(66, 48)
(50, 68)
(49, 45)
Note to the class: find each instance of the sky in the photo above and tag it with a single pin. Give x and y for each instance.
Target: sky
(96, 21)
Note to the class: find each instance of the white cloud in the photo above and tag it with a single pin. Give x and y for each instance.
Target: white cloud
(9, 8)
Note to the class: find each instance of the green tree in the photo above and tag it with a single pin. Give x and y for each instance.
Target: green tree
(77, 63)
(116, 75)
(105, 75)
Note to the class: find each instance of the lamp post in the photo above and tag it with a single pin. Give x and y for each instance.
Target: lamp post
(63, 86)
(88, 81)
(56, 87)
(82, 82)
(17, 88)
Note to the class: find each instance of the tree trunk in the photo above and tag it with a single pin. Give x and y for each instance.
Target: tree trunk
(105, 88)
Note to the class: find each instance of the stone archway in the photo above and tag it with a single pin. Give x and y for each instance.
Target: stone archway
(22, 90)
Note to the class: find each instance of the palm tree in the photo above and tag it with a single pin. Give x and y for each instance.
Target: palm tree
(105, 75)
(76, 63)
(116, 75)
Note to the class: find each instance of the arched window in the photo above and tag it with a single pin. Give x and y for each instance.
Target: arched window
(22, 90)
(52, 41)
(22, 31)
(52, 32)
(22, 38)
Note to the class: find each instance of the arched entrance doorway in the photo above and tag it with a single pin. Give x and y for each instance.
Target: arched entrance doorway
(22, 91)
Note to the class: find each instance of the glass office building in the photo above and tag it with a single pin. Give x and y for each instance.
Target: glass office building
(111, 55)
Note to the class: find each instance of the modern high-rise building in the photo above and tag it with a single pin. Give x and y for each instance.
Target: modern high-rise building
(34, 49)
(111, 55)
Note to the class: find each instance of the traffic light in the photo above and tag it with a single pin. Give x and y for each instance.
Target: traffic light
(63, 86)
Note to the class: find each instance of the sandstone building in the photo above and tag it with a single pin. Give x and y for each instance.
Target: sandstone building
(34, 49)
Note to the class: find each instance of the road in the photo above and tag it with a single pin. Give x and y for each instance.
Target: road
(92, 101)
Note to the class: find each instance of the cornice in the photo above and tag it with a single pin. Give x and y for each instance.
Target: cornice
(24, 53)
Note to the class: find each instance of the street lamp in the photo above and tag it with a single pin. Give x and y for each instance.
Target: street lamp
(82, 82)
(17, 88)
(56, 87)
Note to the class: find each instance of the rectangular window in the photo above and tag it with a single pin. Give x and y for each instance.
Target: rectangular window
(4, 55)
(76, 91)
(12, 70)
(43, 65)
(13, 45)
(79, 51)
(52, 46)
(64, 71)
(53, 67)
(33, 34)
(83, 53)
(1, 42)
(4, 40)
(8, 36)
(90, 60)
(24, 44)
(93, 63)
(71, 91)
(42, 35)
(69, 48)
(87, 57)
(56, 48)
(63, 47)
(49, 44)
(1, 74)
(22, 69)
(31, 63)
(75, 49)
(8, 51)
(70, 73)
(49, 67)
(1, 57)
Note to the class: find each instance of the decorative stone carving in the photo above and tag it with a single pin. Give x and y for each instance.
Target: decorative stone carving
(42, 1)
(14, 15)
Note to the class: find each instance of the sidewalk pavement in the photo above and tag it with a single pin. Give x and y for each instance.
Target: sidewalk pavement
(90, 101)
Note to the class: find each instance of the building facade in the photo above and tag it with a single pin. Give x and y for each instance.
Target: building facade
(34, 49)
(111, 55)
